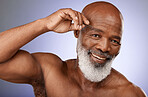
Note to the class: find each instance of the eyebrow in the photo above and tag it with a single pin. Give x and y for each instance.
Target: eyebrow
(117, 37)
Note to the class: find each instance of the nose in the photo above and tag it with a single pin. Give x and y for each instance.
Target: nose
(103, 45)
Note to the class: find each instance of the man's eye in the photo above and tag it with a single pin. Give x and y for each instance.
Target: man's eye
(96, 35)
(116, 42)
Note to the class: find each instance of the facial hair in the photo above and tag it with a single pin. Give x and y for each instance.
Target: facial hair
(88, 68)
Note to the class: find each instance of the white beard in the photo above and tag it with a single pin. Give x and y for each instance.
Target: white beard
(90, 72)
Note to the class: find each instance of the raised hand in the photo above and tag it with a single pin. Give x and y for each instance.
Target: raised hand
(65, 20)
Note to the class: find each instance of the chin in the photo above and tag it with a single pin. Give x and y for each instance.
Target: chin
(94, 72)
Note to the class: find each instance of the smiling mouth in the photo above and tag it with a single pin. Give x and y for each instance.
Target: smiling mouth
(98, 57)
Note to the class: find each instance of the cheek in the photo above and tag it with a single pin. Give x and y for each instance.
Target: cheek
(115, 50)
(87, 43)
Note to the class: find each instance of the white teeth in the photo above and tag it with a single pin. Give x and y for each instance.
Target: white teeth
(98, 57)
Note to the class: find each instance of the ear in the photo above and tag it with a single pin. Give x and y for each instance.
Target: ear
(76, 33)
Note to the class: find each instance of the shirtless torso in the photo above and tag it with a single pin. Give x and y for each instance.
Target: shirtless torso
(68, 84)
(52, 77)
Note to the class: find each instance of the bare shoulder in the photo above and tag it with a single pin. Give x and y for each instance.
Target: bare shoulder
(125, 87)
(48, 59)
(132, 90)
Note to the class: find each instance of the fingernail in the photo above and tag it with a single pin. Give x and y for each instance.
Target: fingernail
(76, 18)
(87, 22)
(83, 26)
(80, 27)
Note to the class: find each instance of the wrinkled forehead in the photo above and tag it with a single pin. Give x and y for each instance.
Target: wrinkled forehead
(88, 29)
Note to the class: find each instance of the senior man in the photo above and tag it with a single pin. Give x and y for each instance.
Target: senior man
(98, 29)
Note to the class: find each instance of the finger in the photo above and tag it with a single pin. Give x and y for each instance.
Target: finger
(80, 20)
(85, 20)
(72, 27)
(68, 17)
(76, 24)
(63, 15)
(73, 15)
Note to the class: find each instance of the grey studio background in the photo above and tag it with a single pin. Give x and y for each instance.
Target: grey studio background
(131, 62)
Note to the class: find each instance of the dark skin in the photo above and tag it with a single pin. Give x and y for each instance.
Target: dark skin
(52, 77)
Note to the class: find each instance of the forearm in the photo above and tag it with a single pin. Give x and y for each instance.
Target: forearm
(13, 39)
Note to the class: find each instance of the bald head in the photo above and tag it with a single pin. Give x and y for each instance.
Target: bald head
(99, 12)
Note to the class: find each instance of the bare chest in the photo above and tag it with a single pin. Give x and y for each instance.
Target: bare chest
(76, 92)
(65, 88)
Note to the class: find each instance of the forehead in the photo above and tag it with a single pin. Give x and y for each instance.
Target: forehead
(107, 23)
(103, 28)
